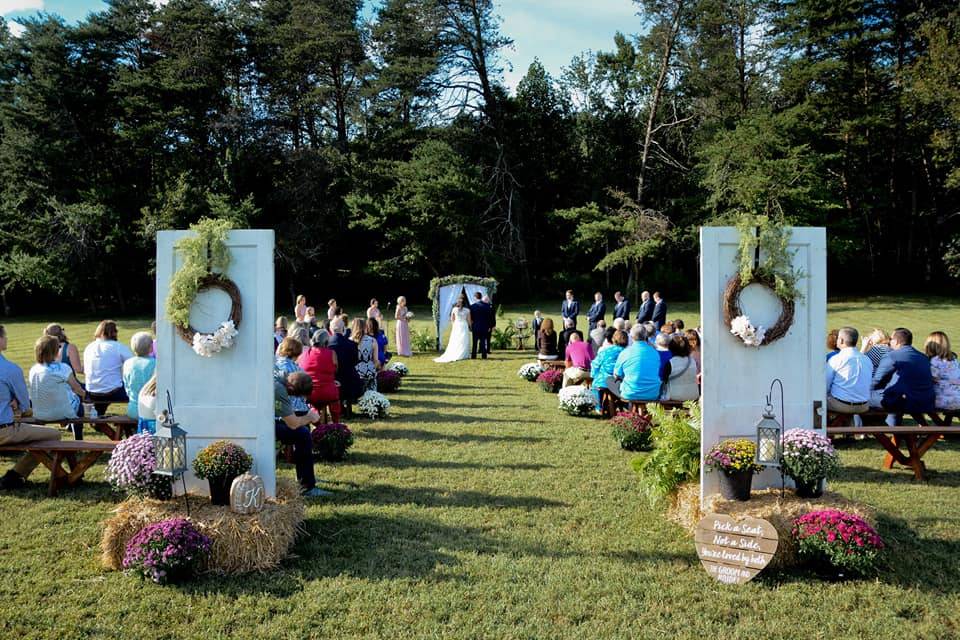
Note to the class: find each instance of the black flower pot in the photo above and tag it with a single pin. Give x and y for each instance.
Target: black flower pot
(220, 490)
(329, 450)
(812, 489)
(160, 487)
(736, 485)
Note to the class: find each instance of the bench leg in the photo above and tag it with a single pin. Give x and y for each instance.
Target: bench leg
(893, 451)
(915, 459)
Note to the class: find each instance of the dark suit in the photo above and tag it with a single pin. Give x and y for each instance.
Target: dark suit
(481, 317)
(570, 309)
(645, 314)
(596, 313)
(562, 341)
(659, 317)
(622, 310)
(351, 386)
(913, 392)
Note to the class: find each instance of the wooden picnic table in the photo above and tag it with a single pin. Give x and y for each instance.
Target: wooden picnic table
(917, 440)
(114, 427)
(61, 458)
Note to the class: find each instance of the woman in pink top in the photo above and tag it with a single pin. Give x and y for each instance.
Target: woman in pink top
(320, 362)
(579, 356)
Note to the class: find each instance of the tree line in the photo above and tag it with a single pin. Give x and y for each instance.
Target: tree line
(383, 147)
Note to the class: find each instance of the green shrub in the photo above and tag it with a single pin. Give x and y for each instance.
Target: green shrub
(422, 341)
(675, 458)
(502, 338)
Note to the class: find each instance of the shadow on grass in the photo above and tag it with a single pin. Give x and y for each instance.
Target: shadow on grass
(442, 417)
(398, 461)
(899, 475)
(380, 547)
(385, 494)
(430, 436)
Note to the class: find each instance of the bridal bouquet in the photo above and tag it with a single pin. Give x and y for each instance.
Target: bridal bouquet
(577, 400)
(374, 405)
(530, 372)
(409, 315)
(399, 367)
(207, 344)
(751, 336)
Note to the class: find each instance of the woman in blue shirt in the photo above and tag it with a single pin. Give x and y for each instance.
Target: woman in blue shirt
(602, 366)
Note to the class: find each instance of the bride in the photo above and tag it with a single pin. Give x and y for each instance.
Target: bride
(458, 348)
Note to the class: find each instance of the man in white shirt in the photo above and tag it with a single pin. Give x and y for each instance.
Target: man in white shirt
(849, 375)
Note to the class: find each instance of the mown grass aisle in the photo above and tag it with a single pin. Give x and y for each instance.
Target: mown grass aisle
(480, 511)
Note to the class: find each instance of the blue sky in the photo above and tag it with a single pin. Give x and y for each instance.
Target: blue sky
(551, 30)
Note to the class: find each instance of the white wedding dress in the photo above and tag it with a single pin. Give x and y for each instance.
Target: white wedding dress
(458, 347)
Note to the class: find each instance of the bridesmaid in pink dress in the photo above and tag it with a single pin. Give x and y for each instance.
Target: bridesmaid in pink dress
(403, 328)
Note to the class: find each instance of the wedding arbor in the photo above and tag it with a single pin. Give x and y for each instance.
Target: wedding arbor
(444, 292)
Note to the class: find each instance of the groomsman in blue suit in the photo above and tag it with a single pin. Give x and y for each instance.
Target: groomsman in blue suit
(570, 307)
(645, 314)
(622, 309)
(597, 310)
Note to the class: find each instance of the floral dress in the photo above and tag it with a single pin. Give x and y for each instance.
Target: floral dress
(946, 380)
(366, 366)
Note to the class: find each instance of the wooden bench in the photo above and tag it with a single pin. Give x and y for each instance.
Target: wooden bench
(558, 365)
(114, 427)
(54, 453)
(611, 403)
(918, 440)
(878, 417)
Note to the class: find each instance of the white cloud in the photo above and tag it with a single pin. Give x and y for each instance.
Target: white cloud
(16, 29)
(9, 6)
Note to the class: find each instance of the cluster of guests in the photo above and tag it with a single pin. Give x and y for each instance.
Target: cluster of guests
(326, 366)
(53, 392)
(887, 373)
(652, 309)
(640, 362)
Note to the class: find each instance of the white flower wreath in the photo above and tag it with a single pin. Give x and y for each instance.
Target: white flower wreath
(750, 335)
(207, 344)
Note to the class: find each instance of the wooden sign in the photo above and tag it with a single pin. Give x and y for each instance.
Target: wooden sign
(734, 551)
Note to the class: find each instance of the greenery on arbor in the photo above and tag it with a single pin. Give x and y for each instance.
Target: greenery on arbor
(382, 146)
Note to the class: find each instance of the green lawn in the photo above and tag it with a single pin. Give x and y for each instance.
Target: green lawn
(480, 511)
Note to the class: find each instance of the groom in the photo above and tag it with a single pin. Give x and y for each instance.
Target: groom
(481, 316)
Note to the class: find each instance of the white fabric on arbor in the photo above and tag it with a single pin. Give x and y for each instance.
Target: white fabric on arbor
(447, 297)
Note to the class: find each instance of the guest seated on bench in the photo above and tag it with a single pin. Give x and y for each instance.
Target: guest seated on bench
(547, 341)
(293, 429)
(14, 396)
(849, 376)
(53, 387)
(351, 386)
(945, 370)
(569, 328)
(103, 367)
(602, 366)
(138, 370)
(579, 357)
(913, 391)
(638, 370)
(680, 373)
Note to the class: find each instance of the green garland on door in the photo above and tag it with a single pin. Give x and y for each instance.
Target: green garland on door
(202, 254)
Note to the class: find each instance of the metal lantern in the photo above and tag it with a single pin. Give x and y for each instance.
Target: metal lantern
(170, 449)
(170, 445)
(768, 438)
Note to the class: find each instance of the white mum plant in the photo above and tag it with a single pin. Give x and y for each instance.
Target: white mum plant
(530, 371)
(374, 405)
(399, 367)
(207, 344)
(752, 336)
(577, 400)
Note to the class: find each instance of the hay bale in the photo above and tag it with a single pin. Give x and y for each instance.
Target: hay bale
(766, 504)
(241, 543)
